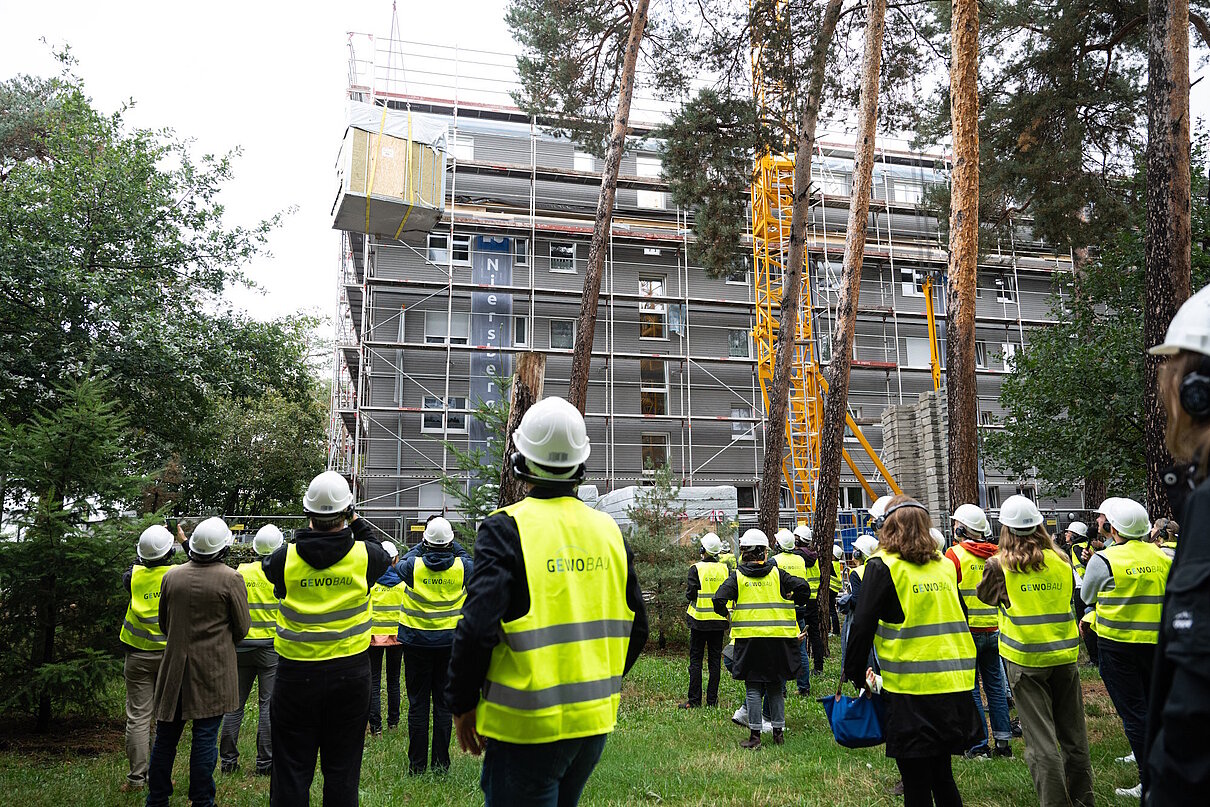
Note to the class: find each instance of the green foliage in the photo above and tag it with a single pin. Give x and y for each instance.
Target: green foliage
(659, 560)
(1075, 397)
(475, 487)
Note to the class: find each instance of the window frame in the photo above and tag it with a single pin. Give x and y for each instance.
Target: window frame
(987, 417)
(521, 318)
(666, 443)
(577, 161)
(551, 333)
(1006, 288)
(747, 334)
(914, 287)
(980, 354)
(464, 415)
(916, 190)
(438, 412)
(993, 497)
(647, 388)
(448, 337)
(650, 308)
(461, 142)
(520, 256)
(1008, 353)
(451, 248)
(574, 257)
(747, 427)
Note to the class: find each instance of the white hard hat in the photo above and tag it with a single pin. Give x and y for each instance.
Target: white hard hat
(155, 542)
(267, 539)
(752, 538)
(878, 508)
(785, 539)
(1107, 505)
(1189, 329)
(553, 433)
(968, 515)
(711, 543)
(837, 552)
(1129, 518)
(328, 494)
(211, 536)
(1020, 515)
(866, 544)
(1079, 528)
(938, 537)
(438, 532)
(803, 533)
(391, 549)
(726, 547)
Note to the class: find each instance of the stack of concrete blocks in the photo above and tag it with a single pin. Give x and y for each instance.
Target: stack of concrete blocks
(708, 507)
(916, 450)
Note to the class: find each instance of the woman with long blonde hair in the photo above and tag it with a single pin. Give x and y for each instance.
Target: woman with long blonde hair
(1176, 760)
(911, 613)
(1030, 582)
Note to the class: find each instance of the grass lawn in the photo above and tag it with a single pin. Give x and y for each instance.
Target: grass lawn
(658, 755)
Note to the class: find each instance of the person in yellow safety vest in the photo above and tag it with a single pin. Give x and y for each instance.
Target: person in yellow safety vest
(706, 628)
(727, 556)
(553, 620)
(975, 547)
(1164, 535)
(910, 610)
(1126, 582)
(760, 599)
(143, 643)
(434, 583)
(386, 600)
(321, 695)
(1077, 540)
(1030, 582)
(256, 660)
(836, 585)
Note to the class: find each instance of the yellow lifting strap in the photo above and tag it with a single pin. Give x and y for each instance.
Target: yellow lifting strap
(409, 190)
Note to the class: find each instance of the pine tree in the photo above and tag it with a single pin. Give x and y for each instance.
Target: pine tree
(660, 562)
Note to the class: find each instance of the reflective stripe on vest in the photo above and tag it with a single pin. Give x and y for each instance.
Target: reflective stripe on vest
(710, 576)
(978, 613)
(837, 580)
(557, 672)
(931, 652)
(1038, 629)
(262, 604)
(760, 611)
(434, 602)
(326, 612)
(141, 626)
(385, 604)
(1130, 611)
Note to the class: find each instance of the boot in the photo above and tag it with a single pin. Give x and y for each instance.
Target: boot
(779, 737)
(753, 740)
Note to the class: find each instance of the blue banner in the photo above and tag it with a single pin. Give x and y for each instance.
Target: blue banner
(491, 327)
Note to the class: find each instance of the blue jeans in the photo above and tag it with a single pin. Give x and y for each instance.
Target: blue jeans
(804, 673)
(540, 775)
(989, 669)
(202, 757)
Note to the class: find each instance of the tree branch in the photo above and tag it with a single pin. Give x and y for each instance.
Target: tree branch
(1203, 29)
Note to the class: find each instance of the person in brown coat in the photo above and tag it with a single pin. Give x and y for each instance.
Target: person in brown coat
(204, 613)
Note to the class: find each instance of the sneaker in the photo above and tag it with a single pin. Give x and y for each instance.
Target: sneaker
(688, 705)
(982, 752)
(766, 727)
(1015, 724)
(1135, 792)
(229, 767)
(740, 718)
(1127, 760)
(1002, 749)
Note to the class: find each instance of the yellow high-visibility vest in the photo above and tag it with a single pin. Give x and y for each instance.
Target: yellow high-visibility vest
(262, 602)
(434, 601)
(837, 579)
(141, 626)
(792, 564)
(728, 560)
(326, 612)
(1076, 550)
(1130, 611)
(557, 672)
(1038, 629)
(385, 605)
(760, 611)
(931, 652)
(978, 613)
(710, 575)
(812, 578)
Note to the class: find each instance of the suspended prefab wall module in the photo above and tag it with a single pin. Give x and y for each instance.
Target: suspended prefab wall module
(391, 174)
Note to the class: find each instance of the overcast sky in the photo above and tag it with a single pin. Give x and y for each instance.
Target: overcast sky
(267, 76)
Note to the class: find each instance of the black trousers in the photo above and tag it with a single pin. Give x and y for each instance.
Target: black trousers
(394, 657)
(835, 613)
(1126, 671)
(424, 673)
(928, 781)
(810, 614)
(710, 644)
(319, 708)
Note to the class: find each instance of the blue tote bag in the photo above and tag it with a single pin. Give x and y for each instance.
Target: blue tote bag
(856, 722)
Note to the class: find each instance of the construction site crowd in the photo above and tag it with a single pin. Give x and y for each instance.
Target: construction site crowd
(521, 650)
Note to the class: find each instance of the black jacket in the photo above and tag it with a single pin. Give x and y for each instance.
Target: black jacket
(321, 550)
(764, 660)
(1177, 750)
(498, 591)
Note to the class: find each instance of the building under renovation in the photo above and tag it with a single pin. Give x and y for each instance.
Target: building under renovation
(487, 260)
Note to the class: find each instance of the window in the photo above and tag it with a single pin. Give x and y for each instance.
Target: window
(986, 418)
(431, 498)
(907, 192)
(653, 316)
(653, 387)
(1027, 491)
(431, 422)
(462, 147)
(856, 412)
(1009, 352)
(742, 427)
(562, 334)
(648, 167)
(439, 249)
(583, 161)
(918, 352)
(1006, 289)
(563, 257)
(520, 331)
(436, 415)
(825, 347)
(746, 497)
(739, 343)
(438, 330)
(521, 252)
(852, 497)
(654, 452)
(456, 421)
(912, 281)
(738, 275)
(981, 355)
(649, 200)
(993, 498)
(830, 184)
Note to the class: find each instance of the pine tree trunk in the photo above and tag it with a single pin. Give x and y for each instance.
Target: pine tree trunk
(1095, 491)
(1169, 229)
(961, 385)
(581, 362)
(832, 431)
(524, 392)
(787, 328)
